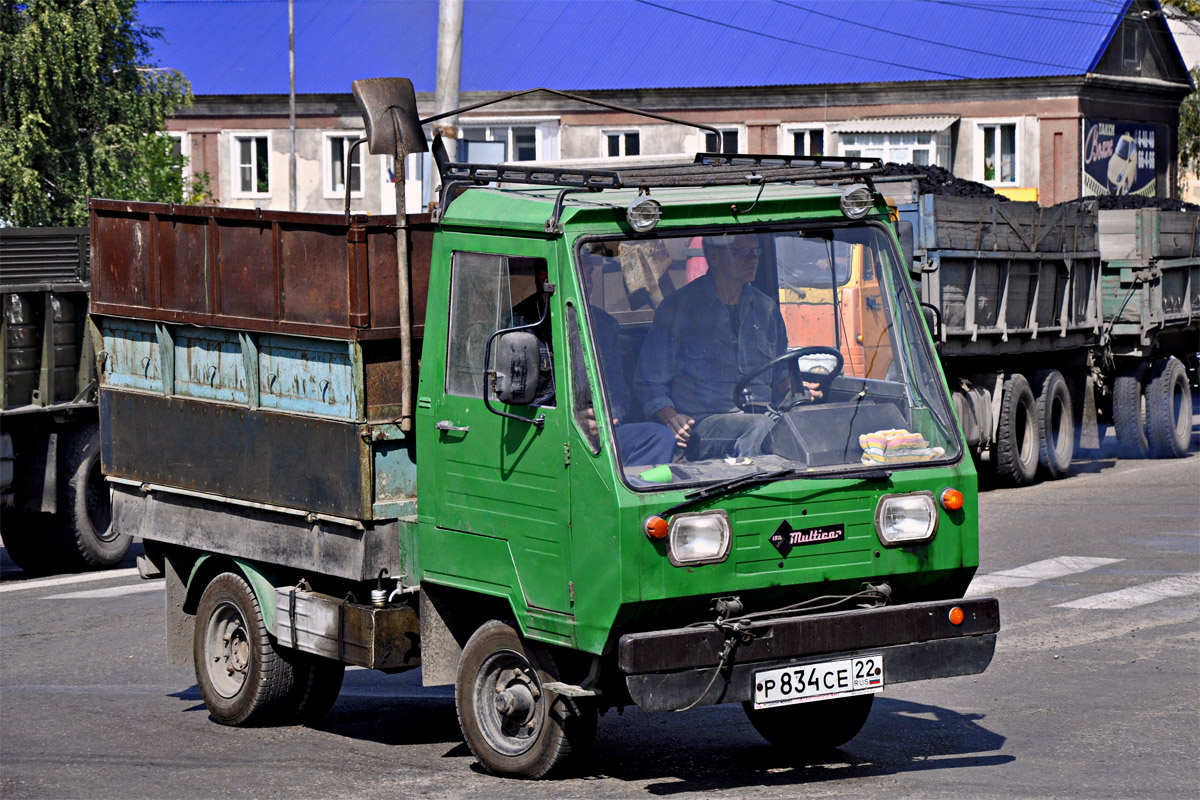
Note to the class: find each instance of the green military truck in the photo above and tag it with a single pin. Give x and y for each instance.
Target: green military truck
(520, 533)
(53, 498)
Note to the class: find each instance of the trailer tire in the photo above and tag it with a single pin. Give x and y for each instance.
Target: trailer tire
(243, 679)
(317, 684)
(812, 727)
(513, 725)
(1129, 413)
(1055, 423)
(1016, 435)
(1169, 409)
(83, 524)
(29, 540)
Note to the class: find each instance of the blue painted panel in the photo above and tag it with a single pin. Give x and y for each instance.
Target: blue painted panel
(133, 361)
(208, 365)
(307, 376)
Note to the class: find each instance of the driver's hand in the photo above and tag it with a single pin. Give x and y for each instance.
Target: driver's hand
(589, 419)
(814, 390)
(680, 425)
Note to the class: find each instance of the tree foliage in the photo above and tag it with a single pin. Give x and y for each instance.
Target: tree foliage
(1187, 6)
(82, 111)
(1189, 128)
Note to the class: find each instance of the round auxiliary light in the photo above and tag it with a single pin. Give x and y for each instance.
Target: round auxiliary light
(644, 214)
(952, 499)
(956, 616)
(857, 201)
(656, 527)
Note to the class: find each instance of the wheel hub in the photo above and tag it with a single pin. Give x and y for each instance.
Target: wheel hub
(509, 703)
(227, 647)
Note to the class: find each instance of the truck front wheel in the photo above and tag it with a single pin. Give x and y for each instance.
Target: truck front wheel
(243, 679)
(512, 723)
(812, 727)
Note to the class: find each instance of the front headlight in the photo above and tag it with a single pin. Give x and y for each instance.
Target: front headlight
(857, 201)
(906, 519)
(701, 538)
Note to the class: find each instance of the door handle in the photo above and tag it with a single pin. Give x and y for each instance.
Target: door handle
(445, 425)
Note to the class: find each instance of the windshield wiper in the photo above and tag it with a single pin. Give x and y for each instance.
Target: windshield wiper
(760, 478)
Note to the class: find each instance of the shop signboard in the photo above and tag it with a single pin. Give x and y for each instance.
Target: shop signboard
(1118, 158)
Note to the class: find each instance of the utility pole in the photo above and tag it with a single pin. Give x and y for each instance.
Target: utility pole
(292, 103)
(449, 71)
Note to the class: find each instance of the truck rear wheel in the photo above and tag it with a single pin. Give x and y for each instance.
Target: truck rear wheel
(1055, 422)
(812, 727)
(1016, 435)
(511, 722)
(1169, 409)
(1129, 413)
(243, 679)
(317, 684)
(83, 523)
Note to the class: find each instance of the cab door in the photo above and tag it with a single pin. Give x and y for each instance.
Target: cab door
(496, 476)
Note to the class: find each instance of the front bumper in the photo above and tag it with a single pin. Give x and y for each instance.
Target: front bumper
(668, 670)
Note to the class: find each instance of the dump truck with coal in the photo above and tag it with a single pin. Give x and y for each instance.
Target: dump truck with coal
(557, 445)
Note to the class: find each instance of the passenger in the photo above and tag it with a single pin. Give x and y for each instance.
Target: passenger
(705, 338)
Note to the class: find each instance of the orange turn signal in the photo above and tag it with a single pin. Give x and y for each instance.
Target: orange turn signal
(956, 616)
(952, 499)
(656, 527)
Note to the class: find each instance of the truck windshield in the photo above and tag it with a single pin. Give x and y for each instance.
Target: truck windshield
(728, 354)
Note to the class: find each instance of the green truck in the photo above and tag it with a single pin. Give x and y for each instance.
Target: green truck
(483, 443)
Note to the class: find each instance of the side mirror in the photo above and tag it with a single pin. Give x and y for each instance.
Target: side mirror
(904, 230)
(515, 378)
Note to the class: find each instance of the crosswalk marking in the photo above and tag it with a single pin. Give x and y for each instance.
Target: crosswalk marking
(42, 583)
(112, 591)
(1146, 593)
(1036, 572)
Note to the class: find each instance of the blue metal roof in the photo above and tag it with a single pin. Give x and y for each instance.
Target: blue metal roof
(241, 46)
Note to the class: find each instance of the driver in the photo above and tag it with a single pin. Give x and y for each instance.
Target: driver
(705, 338)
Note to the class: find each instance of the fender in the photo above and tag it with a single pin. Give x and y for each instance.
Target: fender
(260, 582)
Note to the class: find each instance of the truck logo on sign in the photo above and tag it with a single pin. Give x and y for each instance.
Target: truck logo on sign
(785, 537)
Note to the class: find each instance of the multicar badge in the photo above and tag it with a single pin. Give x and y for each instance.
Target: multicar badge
(785, 538)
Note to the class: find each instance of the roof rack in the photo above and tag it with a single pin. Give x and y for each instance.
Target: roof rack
(708, 169)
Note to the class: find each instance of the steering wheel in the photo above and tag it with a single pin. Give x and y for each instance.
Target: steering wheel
(799, 376)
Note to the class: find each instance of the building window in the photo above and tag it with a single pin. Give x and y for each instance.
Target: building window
(1129, 46)
(902, 148)
(622, 143)
(998, 153)
(494, 144)
(729, 142)
(180, 150)
(808, 142)
(337, 148)
(251, 159)
(419, 181)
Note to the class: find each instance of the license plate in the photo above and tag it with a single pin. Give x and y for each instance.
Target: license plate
(808, 682)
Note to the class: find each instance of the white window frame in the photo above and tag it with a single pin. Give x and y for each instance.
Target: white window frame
(937, 146)
(787, 133)
(413, 186)
(977, 167)
(332, 192)
(235, 169)
(621, 132)
(546, 132)
(185, 150)
(701, 136)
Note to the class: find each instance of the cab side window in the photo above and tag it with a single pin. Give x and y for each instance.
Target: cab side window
(487, 292)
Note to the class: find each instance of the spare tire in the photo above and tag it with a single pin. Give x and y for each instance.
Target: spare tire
(1169, 409)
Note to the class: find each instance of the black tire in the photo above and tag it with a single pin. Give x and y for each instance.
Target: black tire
(1169, 409)
(812, 727)
(1129, 413)
(83, 524)
(29, 540)
(1055, 423)
(317, 684)
(523, 730)
(1016, 435)
(243, 679)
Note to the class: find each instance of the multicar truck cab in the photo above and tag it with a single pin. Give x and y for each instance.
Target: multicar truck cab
(616, 487)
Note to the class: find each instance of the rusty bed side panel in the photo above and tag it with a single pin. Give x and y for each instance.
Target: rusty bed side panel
(318, 465)
(272, 271)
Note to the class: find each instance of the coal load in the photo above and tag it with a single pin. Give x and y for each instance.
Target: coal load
(936, 180)
(1119, 202)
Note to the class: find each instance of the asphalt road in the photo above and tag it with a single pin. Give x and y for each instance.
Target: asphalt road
(1093, 691)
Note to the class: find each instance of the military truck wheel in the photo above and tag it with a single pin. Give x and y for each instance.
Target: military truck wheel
(511, 722)
(29, 541)
(84, 520)
(812, 727)
(1016, 435)
(1129, 413)
(1169, 409)
(318, 682)
(1055, 423)
(243, 679)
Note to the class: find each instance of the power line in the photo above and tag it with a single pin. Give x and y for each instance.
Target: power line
(999, 10)
(936, 42)
(800, 44)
